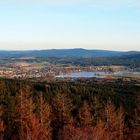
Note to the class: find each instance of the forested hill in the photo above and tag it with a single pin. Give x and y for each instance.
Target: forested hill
(76, 56)
(61, 110)
(66, 52)
(130, 60)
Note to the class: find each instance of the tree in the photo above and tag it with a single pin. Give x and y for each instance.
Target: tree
(2, 128)
(61, 113)
(32, 126)
(97, 109)
(121, 124)
(84, 115)
(135, 122)
(45, 119)
(70, 132)
(114, 120)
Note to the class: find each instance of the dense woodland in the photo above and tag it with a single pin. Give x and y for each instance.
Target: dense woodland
(129, 60)
(76, 110)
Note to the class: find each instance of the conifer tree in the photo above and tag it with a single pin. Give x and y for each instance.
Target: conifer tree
(97, 109)
(114, 120)
(84, 115)
(121, 124)
(33, 126)
(45, 119)
(2, 128)
(61, 109)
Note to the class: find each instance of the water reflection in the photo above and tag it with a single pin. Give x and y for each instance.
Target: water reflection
(86, 74)
(82, 75)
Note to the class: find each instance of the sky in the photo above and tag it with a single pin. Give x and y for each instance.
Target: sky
(59, 24)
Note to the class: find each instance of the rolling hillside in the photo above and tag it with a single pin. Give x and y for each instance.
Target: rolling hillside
(65, 52)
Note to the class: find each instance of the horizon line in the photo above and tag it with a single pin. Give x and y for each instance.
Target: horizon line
(21, 50)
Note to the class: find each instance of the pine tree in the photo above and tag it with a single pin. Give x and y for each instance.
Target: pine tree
(31, 125)
(114, 120)
(84, 115)
(2, 128)
(135, 123)
(111, 115)
(45, 118)
(24, 113)
(61, 109)
(97, 109)
(121, 125)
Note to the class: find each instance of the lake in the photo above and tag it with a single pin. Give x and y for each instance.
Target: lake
(86, 74)
(82, 75)
(126, 73)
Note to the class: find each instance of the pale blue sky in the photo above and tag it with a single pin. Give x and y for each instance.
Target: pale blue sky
(47, 24)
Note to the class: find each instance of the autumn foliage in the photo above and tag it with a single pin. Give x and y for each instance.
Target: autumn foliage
(29, 115)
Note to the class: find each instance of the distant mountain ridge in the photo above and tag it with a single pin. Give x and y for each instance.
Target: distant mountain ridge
(80, 57)
(66, 52)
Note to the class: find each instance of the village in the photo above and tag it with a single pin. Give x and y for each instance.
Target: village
(24, 70)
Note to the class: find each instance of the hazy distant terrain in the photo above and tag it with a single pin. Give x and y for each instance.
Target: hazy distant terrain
(66, 52)
(48, 63)
(75, 56)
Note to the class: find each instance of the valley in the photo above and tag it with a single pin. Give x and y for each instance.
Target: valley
(28, 64)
